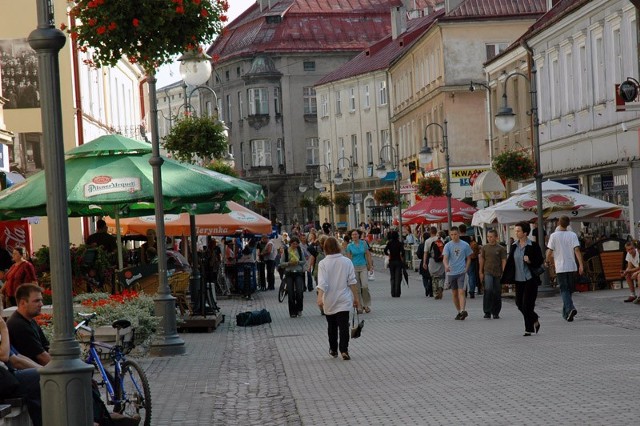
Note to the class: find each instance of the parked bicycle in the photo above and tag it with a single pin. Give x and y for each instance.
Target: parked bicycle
(282, 292)
(126, 384)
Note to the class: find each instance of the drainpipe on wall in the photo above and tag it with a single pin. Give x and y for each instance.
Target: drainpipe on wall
(78, 107)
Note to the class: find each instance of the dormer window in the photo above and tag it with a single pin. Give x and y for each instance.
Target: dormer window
(275, 19)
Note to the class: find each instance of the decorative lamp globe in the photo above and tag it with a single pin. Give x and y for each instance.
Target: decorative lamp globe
(426, 154)
(381, 170)
(195, 68)
(303, 187)
(318, 184)
(338, 179)
(505, 119)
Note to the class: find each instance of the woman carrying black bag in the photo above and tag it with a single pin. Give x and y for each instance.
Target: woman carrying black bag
(395, 250)
(525, 257)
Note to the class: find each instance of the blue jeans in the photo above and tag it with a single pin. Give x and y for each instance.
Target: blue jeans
(566, 282)
(30, 388)
(492, 299)
(472, 273)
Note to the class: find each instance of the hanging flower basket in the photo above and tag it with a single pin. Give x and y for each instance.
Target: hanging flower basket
(386, 196)
(306, 202)
(514, 165)
(430, 187)
(341, 200)
(323, 201)
(202, 137)
(148, 32)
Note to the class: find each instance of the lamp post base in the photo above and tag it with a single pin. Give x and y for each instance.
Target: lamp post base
(65, 384)
(167, 342)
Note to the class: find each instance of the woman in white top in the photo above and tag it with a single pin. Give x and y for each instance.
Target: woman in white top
(337, 293)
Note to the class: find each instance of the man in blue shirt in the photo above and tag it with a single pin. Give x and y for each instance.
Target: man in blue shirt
(457, 259)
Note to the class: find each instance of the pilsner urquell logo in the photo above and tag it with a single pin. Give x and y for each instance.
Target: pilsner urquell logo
(106, 184)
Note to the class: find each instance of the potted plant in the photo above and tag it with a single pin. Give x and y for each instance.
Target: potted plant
(341, 200)
(306, 202)
(221, 166)
(430, 186)
(147, 32)
(386, 196)
(514, 165)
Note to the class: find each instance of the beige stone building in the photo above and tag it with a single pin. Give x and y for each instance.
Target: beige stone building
(430, 84)
(94, 101)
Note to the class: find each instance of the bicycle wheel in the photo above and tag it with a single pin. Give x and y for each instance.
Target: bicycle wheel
(282, 292)
(135, 393)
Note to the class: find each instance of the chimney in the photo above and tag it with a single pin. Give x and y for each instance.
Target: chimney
(398, 21)
(449, 5)
(264, 4)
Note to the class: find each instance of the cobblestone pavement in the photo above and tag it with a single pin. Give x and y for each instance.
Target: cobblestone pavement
(413, 365)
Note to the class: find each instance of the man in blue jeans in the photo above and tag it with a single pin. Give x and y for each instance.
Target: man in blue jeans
(457, 259)
(564, 249)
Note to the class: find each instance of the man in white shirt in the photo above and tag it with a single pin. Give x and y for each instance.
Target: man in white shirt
(564, 249)
(632, 272)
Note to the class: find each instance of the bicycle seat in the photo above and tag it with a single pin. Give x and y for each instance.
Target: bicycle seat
(120, 324)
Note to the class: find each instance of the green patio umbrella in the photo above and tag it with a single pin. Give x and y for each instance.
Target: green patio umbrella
(112, 176)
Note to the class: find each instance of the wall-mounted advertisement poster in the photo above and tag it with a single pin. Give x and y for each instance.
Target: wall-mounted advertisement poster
(19, 68)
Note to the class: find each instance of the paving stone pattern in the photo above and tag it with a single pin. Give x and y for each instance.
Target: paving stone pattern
(413, 365)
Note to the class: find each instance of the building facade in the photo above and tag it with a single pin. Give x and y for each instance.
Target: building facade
(266, 66)
(94, 101)
(581, 50)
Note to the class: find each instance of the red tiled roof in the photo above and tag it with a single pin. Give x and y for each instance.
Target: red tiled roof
(491, 9)
(379, 55)
(307, 26)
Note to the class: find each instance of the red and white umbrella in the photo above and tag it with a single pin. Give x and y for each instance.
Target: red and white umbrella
(434, 210)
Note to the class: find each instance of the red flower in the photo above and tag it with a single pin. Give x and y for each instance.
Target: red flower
(223, 18)
(216, 58)
(92, 22)
(135, 22)
(101, 29)
(204, 13)
(112, 26)
(63, 26)
(180, 10)
(196, 1)
(92, 4)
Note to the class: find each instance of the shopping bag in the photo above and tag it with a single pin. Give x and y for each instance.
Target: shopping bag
(371, 276)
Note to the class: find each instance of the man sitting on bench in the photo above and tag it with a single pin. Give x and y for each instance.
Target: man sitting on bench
(632, 272)
(28, 379)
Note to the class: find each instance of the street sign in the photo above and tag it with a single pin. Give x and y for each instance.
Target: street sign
(408, 189)
(391, 176)
(356, 198)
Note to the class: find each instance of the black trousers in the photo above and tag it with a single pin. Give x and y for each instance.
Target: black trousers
(262, 282)
(295, 289)
(395, 270)
(526, 295)
(271, 268)
(338, 323)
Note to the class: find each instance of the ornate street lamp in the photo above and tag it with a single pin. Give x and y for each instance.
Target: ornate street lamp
(195, 70)
(426, 155)
(472, 88)
(382, 171)
(319, 185)
(505, 121)
(338, 179)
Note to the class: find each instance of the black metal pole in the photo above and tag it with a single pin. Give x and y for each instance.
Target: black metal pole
(65, 382)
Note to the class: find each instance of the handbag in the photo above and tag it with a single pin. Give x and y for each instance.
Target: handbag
(371, 276)
(356, 330)
(537, 271)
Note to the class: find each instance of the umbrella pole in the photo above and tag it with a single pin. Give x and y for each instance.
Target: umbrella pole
(119, 240)
(195, 282)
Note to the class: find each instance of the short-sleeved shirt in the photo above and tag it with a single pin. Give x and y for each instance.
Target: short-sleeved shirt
(457, 254)
(358, 253)
(26, 336)
(633, 260)
(563, 244)
(493, 255)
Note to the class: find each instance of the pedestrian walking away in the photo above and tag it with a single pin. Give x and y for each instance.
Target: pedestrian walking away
(395, 250)
(294, 273)
(433, 260)
(632, 272)
(358, 251)
(457, 260)
(492, 260)
(524, 255)
(337, 293)
(423, 268)
(563, 250)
